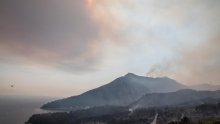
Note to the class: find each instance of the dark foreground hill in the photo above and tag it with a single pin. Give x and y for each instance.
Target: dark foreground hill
(120, 92)
(200, 114)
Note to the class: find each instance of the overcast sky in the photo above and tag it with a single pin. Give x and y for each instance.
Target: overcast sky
(65, 47)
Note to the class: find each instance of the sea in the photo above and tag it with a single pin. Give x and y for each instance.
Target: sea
(17, 109)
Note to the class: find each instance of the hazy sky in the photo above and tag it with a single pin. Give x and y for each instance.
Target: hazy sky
(65, 47)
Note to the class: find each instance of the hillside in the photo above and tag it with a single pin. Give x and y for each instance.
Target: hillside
(120, 92)
(179, 98)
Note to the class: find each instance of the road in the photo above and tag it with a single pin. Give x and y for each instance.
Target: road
(155, 119)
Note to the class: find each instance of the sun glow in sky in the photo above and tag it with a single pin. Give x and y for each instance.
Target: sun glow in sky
(90, 2)
(63, 48)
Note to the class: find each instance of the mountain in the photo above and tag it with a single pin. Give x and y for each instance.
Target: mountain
(179, 98)
(206, 87)
(120, 92)
(156, 85)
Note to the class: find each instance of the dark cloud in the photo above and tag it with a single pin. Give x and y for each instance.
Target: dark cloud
(48, 32)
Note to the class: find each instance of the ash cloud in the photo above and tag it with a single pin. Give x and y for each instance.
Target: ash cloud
(48, 32)
(172, 38)
(201, 64)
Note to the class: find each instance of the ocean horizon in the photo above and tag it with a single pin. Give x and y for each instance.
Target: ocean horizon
(17, 109)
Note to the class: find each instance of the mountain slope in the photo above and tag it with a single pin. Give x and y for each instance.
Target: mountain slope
(120, 92)
(157, 85)
(178, 98)
(206, 87)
